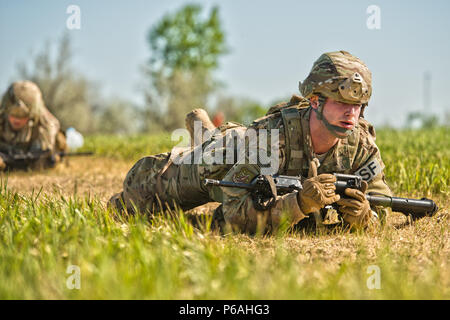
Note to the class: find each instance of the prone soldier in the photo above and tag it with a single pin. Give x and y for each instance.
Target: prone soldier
(30, 136)
(319, 133)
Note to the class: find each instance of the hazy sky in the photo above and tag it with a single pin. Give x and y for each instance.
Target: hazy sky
(273, 45)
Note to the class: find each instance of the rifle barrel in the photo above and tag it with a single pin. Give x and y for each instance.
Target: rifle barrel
(76, 154)
(222, 183)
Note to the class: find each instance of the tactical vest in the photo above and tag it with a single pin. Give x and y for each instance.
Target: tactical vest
(293, 132)
(294, 140)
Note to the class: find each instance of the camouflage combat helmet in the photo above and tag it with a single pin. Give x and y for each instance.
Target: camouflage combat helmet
(339, 76)
(22, 99)
(342, 77)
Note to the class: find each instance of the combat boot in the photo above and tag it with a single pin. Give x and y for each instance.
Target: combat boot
(204, 127)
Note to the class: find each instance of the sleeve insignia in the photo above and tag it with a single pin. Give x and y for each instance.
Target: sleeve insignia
(242, 176)
(370, 170)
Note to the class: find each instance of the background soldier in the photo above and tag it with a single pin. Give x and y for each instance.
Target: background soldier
(320, 134)
(30, 136)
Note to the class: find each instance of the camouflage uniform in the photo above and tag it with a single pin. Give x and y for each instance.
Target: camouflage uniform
(155, 180)
(182, 184)
(351, 155)
(41, 132)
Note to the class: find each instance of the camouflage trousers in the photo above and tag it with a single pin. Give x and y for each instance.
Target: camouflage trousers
(157, 182)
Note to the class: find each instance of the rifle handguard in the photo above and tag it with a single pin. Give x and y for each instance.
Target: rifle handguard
(417, 208)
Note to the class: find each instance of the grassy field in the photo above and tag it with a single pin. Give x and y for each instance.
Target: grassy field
(55, 219)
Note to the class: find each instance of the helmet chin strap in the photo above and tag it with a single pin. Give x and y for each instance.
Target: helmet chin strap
(334, 130)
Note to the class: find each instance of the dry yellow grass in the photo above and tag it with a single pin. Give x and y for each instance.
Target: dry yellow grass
(100, 177)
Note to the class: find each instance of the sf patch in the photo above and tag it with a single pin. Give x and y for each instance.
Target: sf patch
(242, 176)
(370, 170)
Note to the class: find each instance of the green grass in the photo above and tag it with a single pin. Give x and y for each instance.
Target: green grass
(417, 161)
(166, 258)
(128, 148)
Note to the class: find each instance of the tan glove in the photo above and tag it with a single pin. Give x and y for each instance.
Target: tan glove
(356, 210)
(318, 191)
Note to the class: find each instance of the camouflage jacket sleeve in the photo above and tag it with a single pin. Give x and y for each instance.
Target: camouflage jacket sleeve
(370, 166)
(238, 208)
(240, 212)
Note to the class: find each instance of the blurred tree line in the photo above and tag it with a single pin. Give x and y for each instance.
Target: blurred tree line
(66, 93)
(70, 96)
(185, 46)
(424, 120)
(185, 49)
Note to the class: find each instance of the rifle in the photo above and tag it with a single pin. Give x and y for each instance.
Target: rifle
(22, 159)
(75, 154)
(263, 195)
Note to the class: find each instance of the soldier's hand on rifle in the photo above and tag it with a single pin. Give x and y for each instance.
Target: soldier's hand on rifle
(318, 190)
(355, 209)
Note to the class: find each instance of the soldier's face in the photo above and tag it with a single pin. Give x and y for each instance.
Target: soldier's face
(341, 114)
(17, 123)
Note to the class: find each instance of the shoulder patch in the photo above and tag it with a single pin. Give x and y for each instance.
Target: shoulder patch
(370, 170)
(242, 176)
